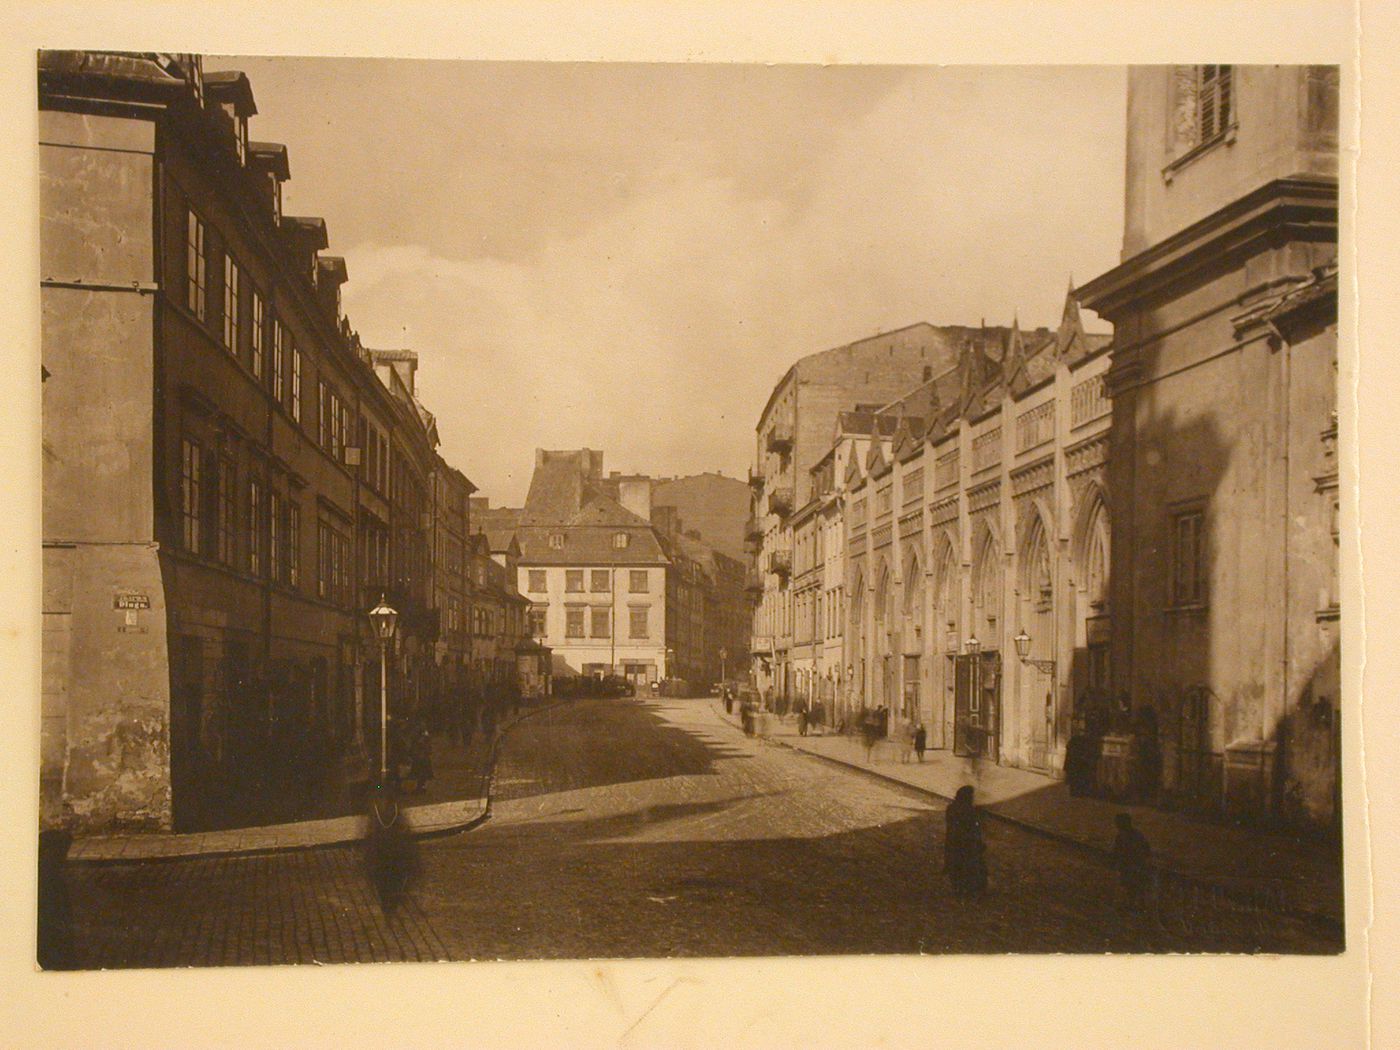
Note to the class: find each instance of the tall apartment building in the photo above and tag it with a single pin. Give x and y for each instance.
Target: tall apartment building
(1224, 473)
(231, 478)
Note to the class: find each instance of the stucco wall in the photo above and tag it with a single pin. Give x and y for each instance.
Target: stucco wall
(1286, 119)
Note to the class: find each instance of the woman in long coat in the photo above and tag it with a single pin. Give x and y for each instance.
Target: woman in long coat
(964, 853)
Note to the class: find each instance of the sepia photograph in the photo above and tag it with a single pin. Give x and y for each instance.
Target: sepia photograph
(604, 510)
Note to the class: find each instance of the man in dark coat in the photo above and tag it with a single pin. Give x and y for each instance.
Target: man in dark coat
(1132, 856)
(964, 852)
(920, 740)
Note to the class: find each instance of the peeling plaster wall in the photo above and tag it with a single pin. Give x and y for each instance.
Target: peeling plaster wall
(105, 751)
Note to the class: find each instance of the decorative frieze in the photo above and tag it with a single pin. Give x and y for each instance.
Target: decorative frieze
(943, 511)
(1037, 475)
(983, 496)
(986, 449)
(1086, 455)
(1088, 401)
(910, 525)
(945, 470)
(1035, 426)
(913, 485)
(881, 536)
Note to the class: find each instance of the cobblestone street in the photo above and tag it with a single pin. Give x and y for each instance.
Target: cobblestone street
(650, 828)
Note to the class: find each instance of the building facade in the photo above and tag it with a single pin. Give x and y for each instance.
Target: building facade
(231, 479)
(793, 432)
(985, 523)
(1223, 450)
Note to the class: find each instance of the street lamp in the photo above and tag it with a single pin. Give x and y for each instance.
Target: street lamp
(384, 620)
(972, 645)
(1023, 650)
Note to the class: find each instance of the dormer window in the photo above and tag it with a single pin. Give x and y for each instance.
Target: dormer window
(620, 540)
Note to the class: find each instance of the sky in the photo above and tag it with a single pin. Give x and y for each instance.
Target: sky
(628, 257)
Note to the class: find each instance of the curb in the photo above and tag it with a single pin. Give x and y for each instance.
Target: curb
(1230, 892)
(487, 779)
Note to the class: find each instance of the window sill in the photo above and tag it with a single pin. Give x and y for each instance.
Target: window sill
(1225, 138)
(1332, 612)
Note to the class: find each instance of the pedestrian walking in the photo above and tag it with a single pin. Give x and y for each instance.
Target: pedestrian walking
(1132, 856)
(390, 852)
(420, 756)
(920, 740)
(964, 852)
(906, 744)
(801, 723)
(870, 736)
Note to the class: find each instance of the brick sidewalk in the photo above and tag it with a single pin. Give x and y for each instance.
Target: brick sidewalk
(1301, 875)
(457, 798)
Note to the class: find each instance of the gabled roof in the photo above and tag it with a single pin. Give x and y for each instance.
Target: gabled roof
(502, 541)
(589, 545)
(908, 438)
(854, 474)
(875, 461)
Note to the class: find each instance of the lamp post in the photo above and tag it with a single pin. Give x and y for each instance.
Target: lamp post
(1023, 650)
(384, 620)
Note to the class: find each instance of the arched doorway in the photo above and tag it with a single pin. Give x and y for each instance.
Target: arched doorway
(884, 681)
(943, 635)
(977, 688)
(913, 632)
(1092, 681)
(1037, 673)
(855, 650)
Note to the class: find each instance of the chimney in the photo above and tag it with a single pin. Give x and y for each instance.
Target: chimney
(635, 495)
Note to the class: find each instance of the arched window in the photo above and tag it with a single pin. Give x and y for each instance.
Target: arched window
(1096, 561)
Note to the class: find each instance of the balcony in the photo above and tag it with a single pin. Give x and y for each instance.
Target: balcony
(780, 502)
(753, 529)
(780, 437)
(780, 563)
(753, 583)
(755, 480)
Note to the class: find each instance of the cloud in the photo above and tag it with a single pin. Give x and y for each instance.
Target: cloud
(654, 324)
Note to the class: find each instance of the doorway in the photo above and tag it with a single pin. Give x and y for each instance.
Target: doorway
(976, 704)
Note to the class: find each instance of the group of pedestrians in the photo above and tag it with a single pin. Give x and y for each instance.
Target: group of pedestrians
(965, 853)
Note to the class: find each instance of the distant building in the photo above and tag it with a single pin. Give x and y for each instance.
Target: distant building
(1223, 465)
(711, 505)
(618, 584)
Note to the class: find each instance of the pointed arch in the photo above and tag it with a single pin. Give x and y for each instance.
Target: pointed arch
(1091, 545)
(913, 584)
(987, 574)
